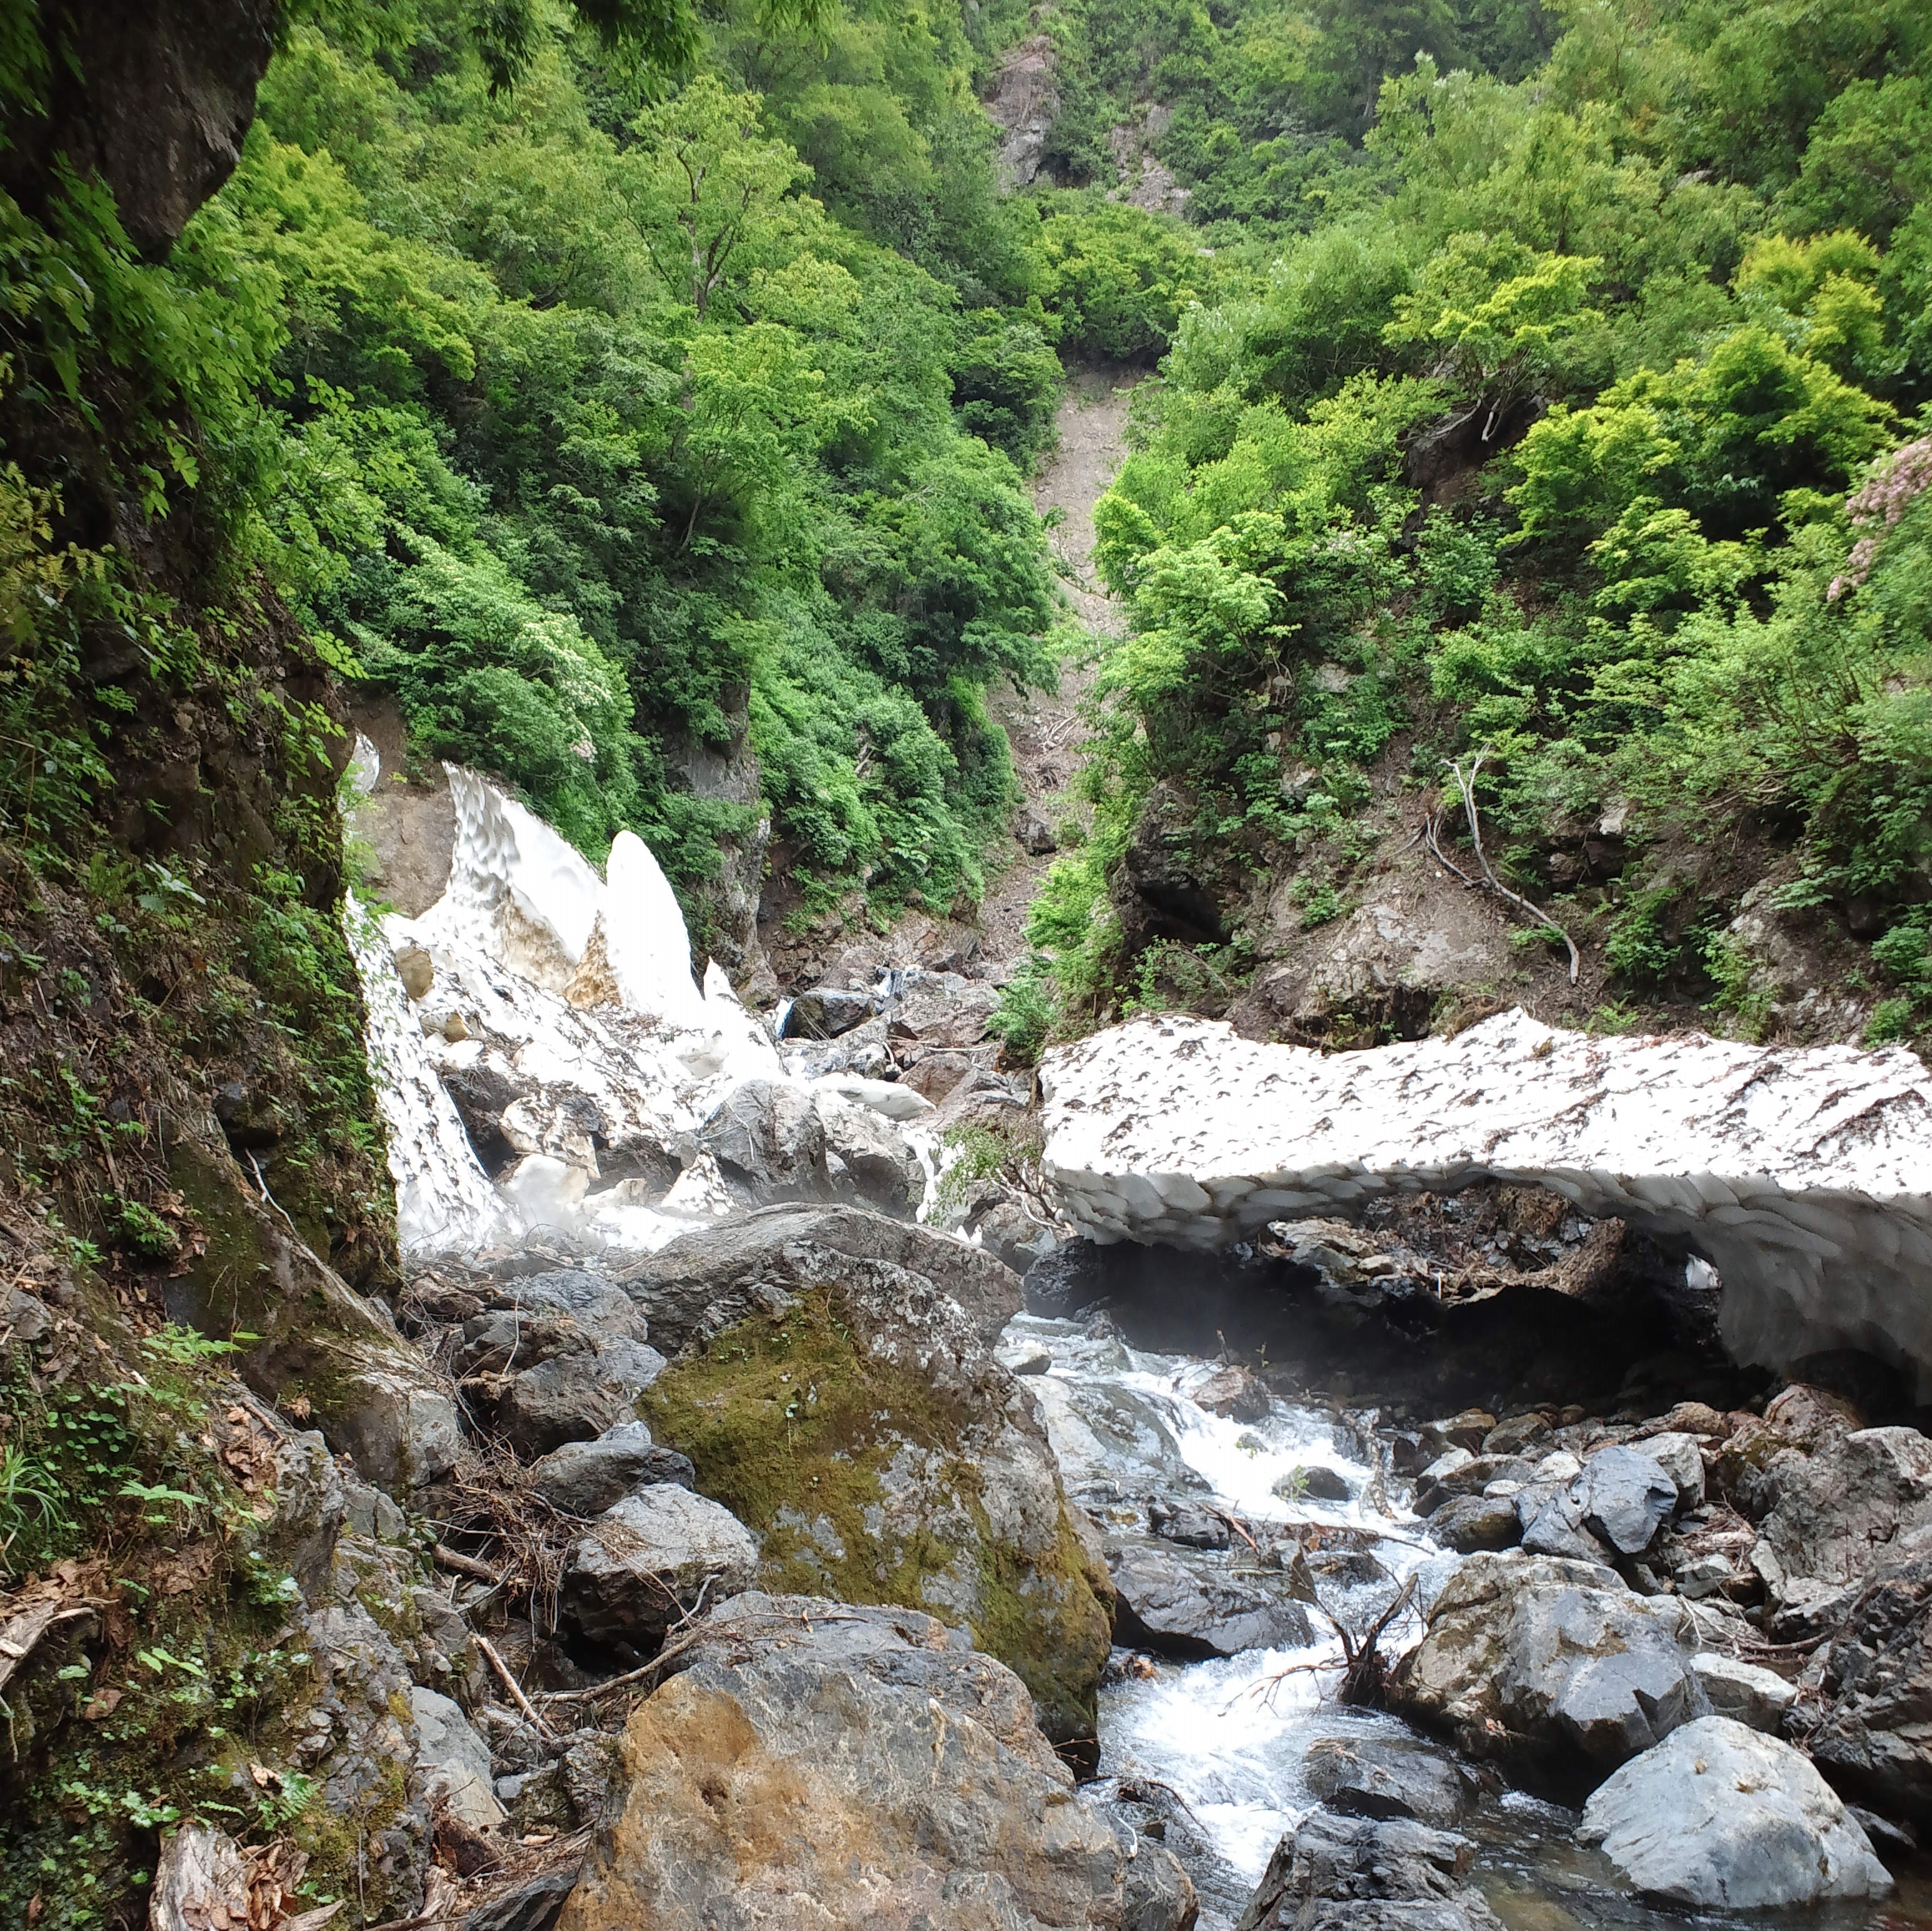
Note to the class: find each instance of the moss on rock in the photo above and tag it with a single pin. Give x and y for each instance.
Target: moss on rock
(872, 1483)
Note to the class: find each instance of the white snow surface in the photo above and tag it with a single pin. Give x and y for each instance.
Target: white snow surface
(576, 995)
(1803, 1174)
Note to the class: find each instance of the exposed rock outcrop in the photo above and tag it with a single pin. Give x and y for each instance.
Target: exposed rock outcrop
(1351, 1874)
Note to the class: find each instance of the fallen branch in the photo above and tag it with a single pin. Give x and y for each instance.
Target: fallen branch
(21, 1634)
(1489, 881)
(459, 1564)
(516, 1689)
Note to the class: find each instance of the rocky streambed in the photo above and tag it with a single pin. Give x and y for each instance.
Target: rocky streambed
(769, 1508)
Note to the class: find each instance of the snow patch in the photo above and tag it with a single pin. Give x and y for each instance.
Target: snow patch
(1804, 1175)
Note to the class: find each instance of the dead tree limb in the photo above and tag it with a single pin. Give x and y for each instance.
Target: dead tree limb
(1489, 881)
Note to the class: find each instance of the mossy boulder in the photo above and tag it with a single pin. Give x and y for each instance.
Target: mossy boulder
(855, 1418)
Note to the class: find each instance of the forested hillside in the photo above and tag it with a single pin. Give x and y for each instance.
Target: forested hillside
(1563, 407)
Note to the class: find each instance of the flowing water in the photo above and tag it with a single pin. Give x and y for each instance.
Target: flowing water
(1217, 1748)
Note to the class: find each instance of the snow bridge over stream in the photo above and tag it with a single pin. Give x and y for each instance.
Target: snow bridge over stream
(1804, 1175)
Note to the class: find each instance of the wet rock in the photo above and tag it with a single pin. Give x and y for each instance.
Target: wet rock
(1356, 1874)
(1757, 1697)
(576, 1397)
(1381, 1777)
(1552, 1523)
(1720, 1817)
(454, 1761)
(1164, 1603)
(1190, 1524)
(1470, 1475)
(1517, 1435)
(649, 1561)
(705, 1281)
(1555, 1667)
(884, 1769)
(1872, 1738)
(1317, 1482)
(1235, 1392)
(826, 1012)
(1474, 1522)
(532, 1905)
(585, 1478)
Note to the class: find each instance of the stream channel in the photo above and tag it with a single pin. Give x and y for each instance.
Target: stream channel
(1211, 1752)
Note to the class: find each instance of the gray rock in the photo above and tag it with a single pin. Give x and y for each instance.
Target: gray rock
(1356, 1874)
(593, 1776)
(1757, 1697)
(311, 1506)
(585, 1478)
(399, 1425)
(769, 1142)
(1681, 1456)
(1189, 1524)
(1385, 1776)
(1719, 1817)
(1552, 1523)
(706, 1281)
(532, 1905)
(1555, 1666)
(1840, 1508)
(827, 1012)
(1872, 1739)
(1473, 1522)
(643, 1565)
(1627, 1497)
(886, 1773)
(535, 1800)
(1318, 1483)
(454, 1761)
(869, 1155)
(577, 1397)
(1166, 1603)
(1016, 1236)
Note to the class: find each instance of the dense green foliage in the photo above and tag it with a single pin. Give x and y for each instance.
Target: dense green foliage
(1582, 425)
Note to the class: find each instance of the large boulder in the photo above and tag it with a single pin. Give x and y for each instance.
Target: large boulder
(1553, 1665)
(706, 1281)
(815, 1764)
(1873, 1738)
(1719, 1817)
(1164, 1602)
(1356, 1874)
(577, 1396)
(649, 1561)
(846, 1404)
